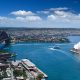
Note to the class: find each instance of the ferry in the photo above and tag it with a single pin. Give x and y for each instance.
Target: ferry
(56, 47)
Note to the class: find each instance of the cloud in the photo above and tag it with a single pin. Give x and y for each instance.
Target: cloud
(22, 13)
(61, 13)
(28, 21)
(43, 12)
(29, 18)
(59, 9)
(51, 17)
(67, 15)
(52, 10)
(6, 21)
(56, 18)
(2, 18)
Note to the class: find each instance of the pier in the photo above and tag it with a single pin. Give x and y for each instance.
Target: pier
(31, 67)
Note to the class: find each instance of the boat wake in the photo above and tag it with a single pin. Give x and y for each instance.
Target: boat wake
(52, 49)
(66, 53)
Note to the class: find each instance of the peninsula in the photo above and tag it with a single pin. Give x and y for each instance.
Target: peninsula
(38, 34)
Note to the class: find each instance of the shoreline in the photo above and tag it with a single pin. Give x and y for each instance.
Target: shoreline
(60, 40)
(74, 51)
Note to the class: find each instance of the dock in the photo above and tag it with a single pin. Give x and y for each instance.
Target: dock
(31, 67)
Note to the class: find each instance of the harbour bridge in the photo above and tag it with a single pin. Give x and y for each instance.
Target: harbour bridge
(4, 39)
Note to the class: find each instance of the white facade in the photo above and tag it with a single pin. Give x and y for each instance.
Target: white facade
(77, 46)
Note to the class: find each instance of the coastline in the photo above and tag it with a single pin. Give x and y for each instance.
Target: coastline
(56, 40)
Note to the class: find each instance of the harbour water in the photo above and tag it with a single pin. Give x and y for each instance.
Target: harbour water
(58, 64)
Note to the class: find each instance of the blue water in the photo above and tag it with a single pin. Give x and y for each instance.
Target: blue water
(57, 64)
(74, 39)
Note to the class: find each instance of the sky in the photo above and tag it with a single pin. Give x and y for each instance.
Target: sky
(40, 13)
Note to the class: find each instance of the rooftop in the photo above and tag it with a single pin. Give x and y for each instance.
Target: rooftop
(28, 63)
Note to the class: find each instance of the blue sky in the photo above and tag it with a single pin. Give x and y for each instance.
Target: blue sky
(40, 13)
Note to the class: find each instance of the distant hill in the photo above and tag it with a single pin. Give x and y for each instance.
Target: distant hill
(42, 31)
(38, 34)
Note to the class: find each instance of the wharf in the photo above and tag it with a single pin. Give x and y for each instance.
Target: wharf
(30, 69)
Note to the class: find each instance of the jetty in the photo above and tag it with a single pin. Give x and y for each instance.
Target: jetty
(31, 67)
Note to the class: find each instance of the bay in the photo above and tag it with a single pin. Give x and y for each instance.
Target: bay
(58, 64)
